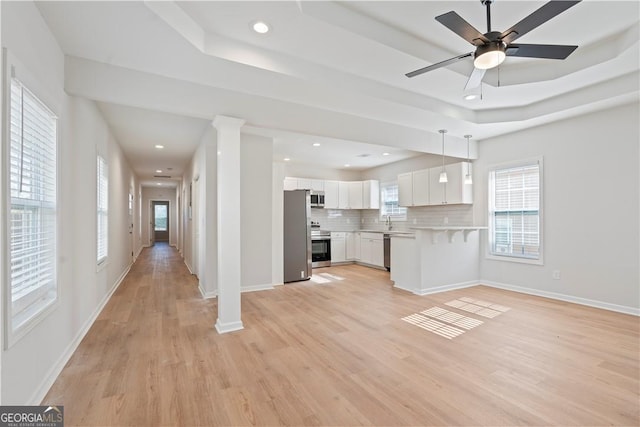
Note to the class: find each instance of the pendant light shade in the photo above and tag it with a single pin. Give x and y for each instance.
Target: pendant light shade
(443, 175)
(467, 178)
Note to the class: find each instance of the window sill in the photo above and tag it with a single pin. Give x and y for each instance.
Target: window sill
(103, 264)
(31, 322)
(518, 260)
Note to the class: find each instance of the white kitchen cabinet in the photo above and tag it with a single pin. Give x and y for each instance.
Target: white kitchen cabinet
(331, 194)
(304, 184)
(357, 245)
(350, 243)
(317, 185)
(355, 195)
(454, 191)
(405, 189)
(436, 189)
(343, 195)
(290, 184)
(371, 194)
(377, 252)
(372, 249)
(413, 188)
(420, 187)
(338, 247)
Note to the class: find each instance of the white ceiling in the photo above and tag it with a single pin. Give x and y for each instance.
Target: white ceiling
(332, 72)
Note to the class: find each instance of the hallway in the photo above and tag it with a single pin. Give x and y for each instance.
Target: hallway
(140, 362)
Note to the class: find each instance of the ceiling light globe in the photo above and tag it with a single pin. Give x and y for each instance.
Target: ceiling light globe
(489, 56)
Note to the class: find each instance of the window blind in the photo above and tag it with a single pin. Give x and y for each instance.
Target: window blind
(102, 192)
(515, 211)
(32, 218)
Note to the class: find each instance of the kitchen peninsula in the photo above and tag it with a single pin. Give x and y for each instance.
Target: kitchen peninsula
(436, 258)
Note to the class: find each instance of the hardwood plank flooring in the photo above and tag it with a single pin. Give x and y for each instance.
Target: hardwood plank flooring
(339, 354)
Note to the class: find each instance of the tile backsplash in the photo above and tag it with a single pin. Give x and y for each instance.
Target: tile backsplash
(369, 219)
(338, 219)
(423, 216)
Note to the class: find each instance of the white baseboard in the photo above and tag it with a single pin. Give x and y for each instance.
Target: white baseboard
(188, 266)
(251, 288)
(135, 258)
(254, 288)
(445, 288)
(207, 295)
(563, 297)
(224, 328)
(56, 369)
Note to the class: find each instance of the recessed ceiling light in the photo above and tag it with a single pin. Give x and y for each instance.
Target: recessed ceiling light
(470, 97)
(385, 154)
(159, 147)
(316, 144)
(347, 165)
(158, 170)
(157, 183)
(286, 159)
(260, 27)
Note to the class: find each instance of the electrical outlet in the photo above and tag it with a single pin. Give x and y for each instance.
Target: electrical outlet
(446, 220)
(556, 274)
(302, 274)
(415, 221)
(376, 220)
(348, 221)
(362, 221)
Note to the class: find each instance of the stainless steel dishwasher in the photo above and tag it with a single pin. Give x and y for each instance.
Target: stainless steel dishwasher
(387, 251)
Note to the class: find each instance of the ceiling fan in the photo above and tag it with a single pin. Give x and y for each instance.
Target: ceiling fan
(493, 47)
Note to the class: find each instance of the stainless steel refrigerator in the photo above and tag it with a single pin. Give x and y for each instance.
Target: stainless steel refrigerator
(297, 235)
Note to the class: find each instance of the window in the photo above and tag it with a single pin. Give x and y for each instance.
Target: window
(32, 217)
(160, 217)
(514, 217)
(389, 202)
(103, 210)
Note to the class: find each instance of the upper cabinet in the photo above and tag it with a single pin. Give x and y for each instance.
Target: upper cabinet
(405, 189)
(371, 194)
(331, 194)
(413, 188)
(340, 194)
(423, 187)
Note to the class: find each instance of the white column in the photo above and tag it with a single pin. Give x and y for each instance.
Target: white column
(228, 191)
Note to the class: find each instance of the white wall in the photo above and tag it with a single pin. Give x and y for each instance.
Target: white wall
(591, 207)
(256, 210)
(150, 194)
(390, 172)
(33, 362)
(317, 172)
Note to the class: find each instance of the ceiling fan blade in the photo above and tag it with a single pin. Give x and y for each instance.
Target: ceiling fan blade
(438, 65)
(458, 25)
(537, 18)
(475, 79)
(549, 51)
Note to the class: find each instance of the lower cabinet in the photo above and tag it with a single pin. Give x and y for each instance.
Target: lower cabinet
(338, 247)
(372, 249)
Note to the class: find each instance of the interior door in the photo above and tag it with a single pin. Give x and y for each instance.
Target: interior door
(160, 221)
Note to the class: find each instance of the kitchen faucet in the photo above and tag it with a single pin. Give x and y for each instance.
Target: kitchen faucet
(388, 223)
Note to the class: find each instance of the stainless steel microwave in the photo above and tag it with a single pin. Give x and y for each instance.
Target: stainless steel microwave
(317, 199)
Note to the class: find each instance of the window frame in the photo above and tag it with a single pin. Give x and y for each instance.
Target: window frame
(489, 254)
(39, 312)
(399, 217)
(102, 262)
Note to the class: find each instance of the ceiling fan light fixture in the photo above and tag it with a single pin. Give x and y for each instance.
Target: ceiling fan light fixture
(489, 55)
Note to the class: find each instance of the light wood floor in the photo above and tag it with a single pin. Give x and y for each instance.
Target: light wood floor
(338, 354)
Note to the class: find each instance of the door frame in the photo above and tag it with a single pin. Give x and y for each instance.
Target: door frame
(151, 230)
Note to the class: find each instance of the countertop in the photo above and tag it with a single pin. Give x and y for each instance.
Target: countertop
(451, 227)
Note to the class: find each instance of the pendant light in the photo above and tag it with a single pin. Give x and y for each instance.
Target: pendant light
(443, 175)
(467, 177)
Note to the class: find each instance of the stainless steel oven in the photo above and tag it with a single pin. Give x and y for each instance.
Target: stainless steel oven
(320, 248)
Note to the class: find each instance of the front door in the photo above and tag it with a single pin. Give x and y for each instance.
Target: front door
(160, 221)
